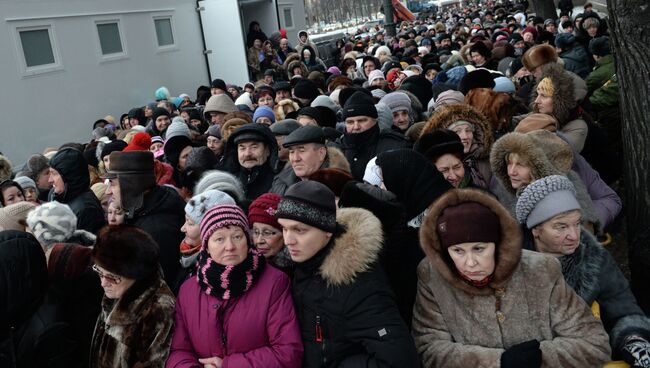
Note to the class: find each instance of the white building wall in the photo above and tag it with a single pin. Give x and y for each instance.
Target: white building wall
(51, 108)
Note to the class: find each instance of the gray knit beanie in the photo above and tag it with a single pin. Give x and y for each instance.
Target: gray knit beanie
(397, 101)
(53, 223)
(25, 182)
(223, 181)
(178, 127)
(545, 198)
(201, 203)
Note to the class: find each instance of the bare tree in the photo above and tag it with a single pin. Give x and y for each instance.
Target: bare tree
(630, 35)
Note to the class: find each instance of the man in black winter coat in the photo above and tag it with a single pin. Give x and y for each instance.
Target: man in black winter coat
(158, 210)
(362, 139)
(70, 182)
(251, 154)
(346, 309)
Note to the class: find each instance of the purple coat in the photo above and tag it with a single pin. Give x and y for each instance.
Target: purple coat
(261, 327)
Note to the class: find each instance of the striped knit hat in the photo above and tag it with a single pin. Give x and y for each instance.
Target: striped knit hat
(222, 216)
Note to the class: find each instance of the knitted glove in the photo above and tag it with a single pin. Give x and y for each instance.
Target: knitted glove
(524, 355)
(636, 352)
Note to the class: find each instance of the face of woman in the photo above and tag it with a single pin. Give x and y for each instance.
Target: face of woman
(114, 285)
(518, 172)
(31, 195)
(257, 44)
(559, 236)
(451, 168)
(267, 239)
(115, 214)
(182, 159)
(228, 246)
(466, 134)
(12, 195)
(192, 232)
(543, 103)
(475, 261)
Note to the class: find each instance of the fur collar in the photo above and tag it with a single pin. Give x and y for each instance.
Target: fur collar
(546, 153)
(354, 251)
(449, 114)
(564, 98)
(336, 159)
(508, 249)
(125, 311)
(583, 268)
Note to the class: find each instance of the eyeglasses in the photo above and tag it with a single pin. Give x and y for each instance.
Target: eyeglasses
(113, 279)
(264, 233)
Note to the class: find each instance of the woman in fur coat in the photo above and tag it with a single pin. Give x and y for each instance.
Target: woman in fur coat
(483, 302)
(136, 319)
(551, 216)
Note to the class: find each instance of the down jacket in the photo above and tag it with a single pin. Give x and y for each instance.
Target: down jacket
(458, 325)
(259, 328)
(342, 293)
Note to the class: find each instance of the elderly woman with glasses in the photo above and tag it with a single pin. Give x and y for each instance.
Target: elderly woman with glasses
(267, 233)
(134, 327)
(237, 311)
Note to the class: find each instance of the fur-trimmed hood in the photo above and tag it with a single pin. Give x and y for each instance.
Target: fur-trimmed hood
(354, 251)
(545, 152)
(336, 159)
(443, 117)
(564, 99)
(508, 249)
(297, 63)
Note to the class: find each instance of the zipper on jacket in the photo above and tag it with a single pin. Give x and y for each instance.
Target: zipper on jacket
(319, 330)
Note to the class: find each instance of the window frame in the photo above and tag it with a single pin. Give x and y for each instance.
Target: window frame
(284, 19)
(114, 56)
(28, 71)
(165, 48)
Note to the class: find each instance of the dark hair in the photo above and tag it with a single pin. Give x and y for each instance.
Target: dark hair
(6, 185)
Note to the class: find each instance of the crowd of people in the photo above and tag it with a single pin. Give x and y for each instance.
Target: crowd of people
(440, 199)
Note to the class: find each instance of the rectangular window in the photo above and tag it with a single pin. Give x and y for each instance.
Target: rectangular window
(164, 31)
(109, 38)
(37, 47)
(288, 18)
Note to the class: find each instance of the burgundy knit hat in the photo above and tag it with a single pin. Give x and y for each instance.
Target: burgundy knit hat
(262, 210)
(455, 225)
(220, 217)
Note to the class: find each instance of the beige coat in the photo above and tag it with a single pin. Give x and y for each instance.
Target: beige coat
(458, 325)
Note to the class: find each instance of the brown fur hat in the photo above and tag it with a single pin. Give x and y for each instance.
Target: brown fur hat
(539, 55)
(496, 106)
(127, 251)
(334, 179)
(543, 151)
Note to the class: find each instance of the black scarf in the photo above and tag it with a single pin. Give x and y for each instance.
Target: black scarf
(227, 282)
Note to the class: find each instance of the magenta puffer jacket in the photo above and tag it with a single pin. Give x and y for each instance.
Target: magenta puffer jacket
(261, 328)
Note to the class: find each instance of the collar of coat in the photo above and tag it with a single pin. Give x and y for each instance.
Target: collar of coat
(508, 251)
(354, 251)
(582, 269)
(124, 311)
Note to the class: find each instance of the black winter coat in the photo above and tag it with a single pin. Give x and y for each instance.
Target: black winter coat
(577, 60)
(162, 215)
(362, 147)
(73, 168)
(32, 333)
(347, 312)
